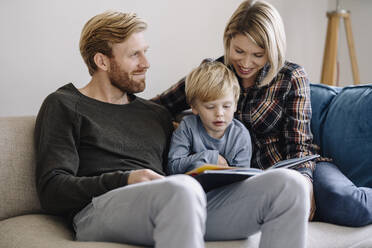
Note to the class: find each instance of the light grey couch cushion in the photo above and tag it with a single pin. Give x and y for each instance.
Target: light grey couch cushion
(324, 235)
(46, 231)
(43, 231)
(17, 166)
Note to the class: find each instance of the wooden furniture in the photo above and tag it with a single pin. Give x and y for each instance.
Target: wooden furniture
(331, 45)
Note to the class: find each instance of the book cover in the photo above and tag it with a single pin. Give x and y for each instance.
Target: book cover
(214, 176)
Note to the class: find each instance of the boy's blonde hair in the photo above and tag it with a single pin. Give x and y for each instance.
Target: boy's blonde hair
(104, 30)
(211, 81)
(262, 24)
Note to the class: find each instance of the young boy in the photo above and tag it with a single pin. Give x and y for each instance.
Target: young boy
(211, 135)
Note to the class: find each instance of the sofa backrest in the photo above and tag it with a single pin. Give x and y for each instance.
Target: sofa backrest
(321, 98)
(17, 167)
(342, 127)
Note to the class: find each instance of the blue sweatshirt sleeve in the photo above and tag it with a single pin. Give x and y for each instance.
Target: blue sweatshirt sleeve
(182, 157)
(241, 146)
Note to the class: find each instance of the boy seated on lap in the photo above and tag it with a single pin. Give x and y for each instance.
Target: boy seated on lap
(212, 135)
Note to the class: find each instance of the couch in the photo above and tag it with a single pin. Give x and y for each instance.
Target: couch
(24, 224)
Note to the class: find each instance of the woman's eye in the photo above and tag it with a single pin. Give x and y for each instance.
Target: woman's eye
(238, 51)
(258, 55)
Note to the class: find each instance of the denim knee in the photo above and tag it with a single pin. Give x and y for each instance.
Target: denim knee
(338, 200)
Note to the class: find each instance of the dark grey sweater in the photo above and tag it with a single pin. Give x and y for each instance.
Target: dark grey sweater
(85, 147)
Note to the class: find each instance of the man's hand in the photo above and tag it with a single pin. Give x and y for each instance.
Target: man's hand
(222, 161)
(143, 175)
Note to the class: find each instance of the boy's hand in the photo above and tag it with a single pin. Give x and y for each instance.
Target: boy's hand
(175, 125)
(222, 161)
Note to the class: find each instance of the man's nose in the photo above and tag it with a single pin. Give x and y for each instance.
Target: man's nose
(144, 63)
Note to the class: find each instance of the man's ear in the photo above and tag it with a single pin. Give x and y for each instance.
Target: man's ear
(102, 61)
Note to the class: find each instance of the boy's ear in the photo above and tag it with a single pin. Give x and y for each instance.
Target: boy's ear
(236, 106)
(194, 110)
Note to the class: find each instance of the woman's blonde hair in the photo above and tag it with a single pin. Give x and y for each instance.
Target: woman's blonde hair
(211, 81)
(104, 30)
(262, 24)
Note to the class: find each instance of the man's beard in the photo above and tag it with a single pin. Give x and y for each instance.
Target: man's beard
(124, 81)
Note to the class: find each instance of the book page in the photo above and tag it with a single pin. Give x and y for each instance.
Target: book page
(205, 167)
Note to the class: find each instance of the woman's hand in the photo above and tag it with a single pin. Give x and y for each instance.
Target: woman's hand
(312, 199)
(143, 175)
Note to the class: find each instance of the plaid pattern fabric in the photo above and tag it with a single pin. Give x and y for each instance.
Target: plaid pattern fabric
(277, 116)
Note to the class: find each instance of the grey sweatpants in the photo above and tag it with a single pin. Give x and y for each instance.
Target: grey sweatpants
(175, 212)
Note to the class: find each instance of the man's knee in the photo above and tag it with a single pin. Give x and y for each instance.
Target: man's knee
(292, 187)
(291, 180)
(185, 189)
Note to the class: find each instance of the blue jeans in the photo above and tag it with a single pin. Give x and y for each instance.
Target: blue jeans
(338, 200)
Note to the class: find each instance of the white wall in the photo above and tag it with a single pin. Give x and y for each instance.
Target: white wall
(361, 21)
(305, 23)
(39, 41)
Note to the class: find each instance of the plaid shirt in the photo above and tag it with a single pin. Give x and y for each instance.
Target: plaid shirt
(277, 115)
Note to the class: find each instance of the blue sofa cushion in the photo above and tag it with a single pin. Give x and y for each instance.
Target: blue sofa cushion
(321, 98)
(346, 132)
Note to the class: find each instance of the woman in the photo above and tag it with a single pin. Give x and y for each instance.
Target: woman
(274, 102)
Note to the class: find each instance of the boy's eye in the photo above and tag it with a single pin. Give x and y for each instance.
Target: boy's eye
(209, 107)
(227, 106)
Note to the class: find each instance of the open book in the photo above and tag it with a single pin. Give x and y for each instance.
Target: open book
(214, 176)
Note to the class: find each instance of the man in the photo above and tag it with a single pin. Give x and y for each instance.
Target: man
(101, 137)
(101, 157)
